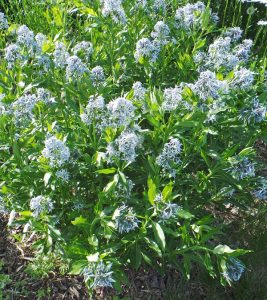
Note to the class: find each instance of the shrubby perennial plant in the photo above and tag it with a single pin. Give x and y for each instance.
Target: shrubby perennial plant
(119, 131)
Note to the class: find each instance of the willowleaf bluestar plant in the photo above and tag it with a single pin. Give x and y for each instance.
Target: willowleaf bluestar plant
(243, 79)
(256, 112)
(214, 109)
(161, 33)
(170, 156)
(159, 6)
(125, 219)
(95, 111)
(44, 96)
(172, 98)
(260, 192)
(75, 68)
(60, 55)
(98, 275)
(23, 107)
(166, 211)
(145, 48)
(43, 62)
(83, 49)
(56, 152)
(121, 112)
(234, 33)
(124, 190)
(125, 146)
(190, 16)
(222, 55)
(208, 86)
(242, 168)
(12, 55)
(63, 175)
(40, 41)
(26, 38)
(242, 51)
(97, 75)
(234, 269)
(3, 21)
(40, 204)
(114, 9)
(139, 91)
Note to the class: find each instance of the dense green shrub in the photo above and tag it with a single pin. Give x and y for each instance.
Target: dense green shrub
(122, 128)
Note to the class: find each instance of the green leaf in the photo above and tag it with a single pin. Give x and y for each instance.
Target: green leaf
(187, 266)
(136, 256)
(185, 214)
(57, 15)
(93, 240)
(167, 191)
(78, 266)
(123, 177)
(159, 235)
(187, 124)
(79, 221)
(247, 151)
(106, 171)
(147, 259)
(25, 213)
(153, 121)
(152, 190)
(111, 185)
(199, 44)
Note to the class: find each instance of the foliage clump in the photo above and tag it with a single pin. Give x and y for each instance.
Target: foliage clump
(116, 140)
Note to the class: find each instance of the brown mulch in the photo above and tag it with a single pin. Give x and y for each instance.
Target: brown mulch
(23, 286)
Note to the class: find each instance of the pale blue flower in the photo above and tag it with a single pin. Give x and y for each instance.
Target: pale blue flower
(125, 146)
(41, 204)
(98, 275)
(121, 112)
(170, 156)
(75, 68)
(139, 91)
(114, 9)
(12, 55)
(56, 152)
(3, 21)
(256, 112)
(260, 192)
(242, 168)
(235, 33)
(84, 48)
(234, 269)
(145, 48)
(60, 55)
(161, 33)
(125, 219)
(63, 174)
(97, 75)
